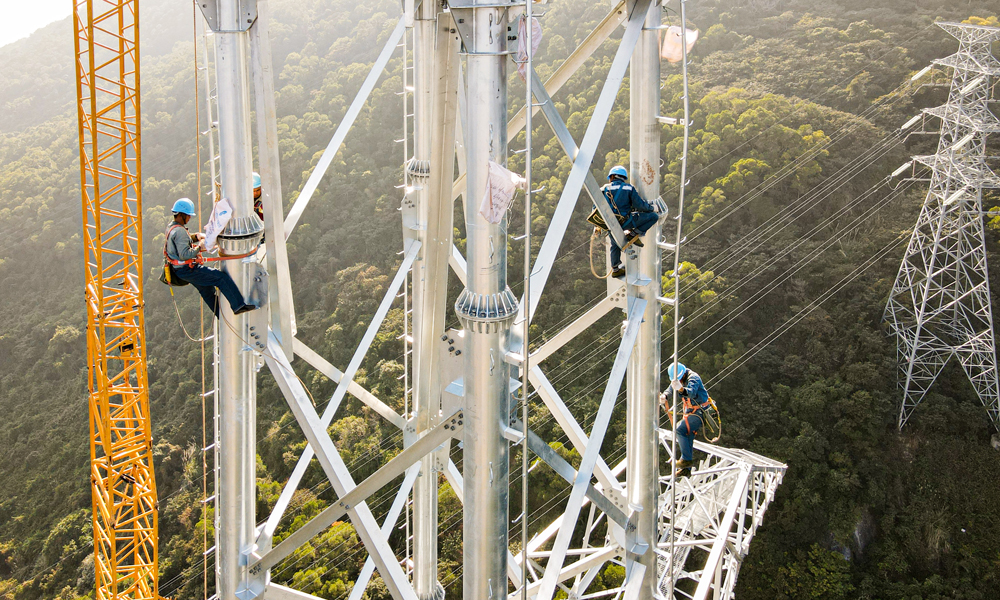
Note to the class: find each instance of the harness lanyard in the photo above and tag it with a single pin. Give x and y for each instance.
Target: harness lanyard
(199, 260)
(611, 200)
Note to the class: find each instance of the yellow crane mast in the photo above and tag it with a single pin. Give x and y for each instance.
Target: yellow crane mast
(121, 449)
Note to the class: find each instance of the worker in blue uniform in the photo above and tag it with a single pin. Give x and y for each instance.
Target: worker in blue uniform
(635, 215)
(183, 251)
(258, 204)
(692, 391)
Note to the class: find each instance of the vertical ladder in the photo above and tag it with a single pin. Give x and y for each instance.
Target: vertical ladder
(407, 45)
(212, 134)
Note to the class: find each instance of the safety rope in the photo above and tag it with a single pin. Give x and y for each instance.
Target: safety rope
(200, 260)
(598, 235)
(528, 101)
(677, 291)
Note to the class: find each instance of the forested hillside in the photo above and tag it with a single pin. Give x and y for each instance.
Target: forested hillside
(793, 244)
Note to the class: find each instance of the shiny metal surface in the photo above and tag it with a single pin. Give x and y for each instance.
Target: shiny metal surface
(235, 496)
(642, 471)
(487, 375)
(430, 287)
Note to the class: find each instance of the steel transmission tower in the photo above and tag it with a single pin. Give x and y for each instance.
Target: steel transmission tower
(940, 304)
(465, 381)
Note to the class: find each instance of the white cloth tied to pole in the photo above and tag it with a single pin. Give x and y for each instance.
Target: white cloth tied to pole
(522, 43)
(221, 213)
(500, 187)
(671, 47)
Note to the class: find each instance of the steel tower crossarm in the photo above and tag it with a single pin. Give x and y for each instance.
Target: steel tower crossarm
(123, 487)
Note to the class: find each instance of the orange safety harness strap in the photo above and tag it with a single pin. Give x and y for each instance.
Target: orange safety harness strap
(200, 260)
(691, 409)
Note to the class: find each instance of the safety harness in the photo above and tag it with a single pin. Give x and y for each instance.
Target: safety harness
(595, 217)
(708, 412)
(200, 260)
(170, 278)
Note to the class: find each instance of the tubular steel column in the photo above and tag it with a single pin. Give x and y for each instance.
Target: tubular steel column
(435, 83)
(486, 307)
(644, 368)
(236, 444)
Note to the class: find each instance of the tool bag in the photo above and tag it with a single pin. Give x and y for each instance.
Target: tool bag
(711, 422)
(167, 275)
(597, 220)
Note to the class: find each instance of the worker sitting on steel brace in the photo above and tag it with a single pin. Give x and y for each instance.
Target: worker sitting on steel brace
(258, 204)
(183, 251)
(635, 215)
(689, 387)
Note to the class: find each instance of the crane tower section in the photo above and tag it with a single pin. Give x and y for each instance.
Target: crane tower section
(123, 488)
(940, 304)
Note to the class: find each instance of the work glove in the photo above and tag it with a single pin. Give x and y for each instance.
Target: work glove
(676, 385)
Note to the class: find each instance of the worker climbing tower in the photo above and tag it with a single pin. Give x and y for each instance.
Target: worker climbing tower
(940, 304)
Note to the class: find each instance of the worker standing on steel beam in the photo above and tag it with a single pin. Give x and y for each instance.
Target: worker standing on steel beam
(183, 252)
(689, 387)
(635, 215)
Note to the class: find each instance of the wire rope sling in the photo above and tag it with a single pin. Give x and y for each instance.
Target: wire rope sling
(601, 231)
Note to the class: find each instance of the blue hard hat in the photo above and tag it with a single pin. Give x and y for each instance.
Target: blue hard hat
(680, 369)
(618, 170)
(256, 180)
(183, 206)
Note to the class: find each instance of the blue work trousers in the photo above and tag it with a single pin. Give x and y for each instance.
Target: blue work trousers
(687, 429)
(207, 280)
(639, 223)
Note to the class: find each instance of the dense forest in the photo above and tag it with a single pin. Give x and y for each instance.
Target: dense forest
(794, 239)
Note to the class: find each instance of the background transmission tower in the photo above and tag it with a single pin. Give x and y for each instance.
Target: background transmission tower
(940, 304)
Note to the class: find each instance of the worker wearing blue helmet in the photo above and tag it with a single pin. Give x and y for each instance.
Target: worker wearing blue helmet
(183, 250)
(258, 204)
(689, 387)
(635, 215)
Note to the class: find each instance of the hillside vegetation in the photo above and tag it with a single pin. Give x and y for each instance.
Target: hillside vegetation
(796, 105)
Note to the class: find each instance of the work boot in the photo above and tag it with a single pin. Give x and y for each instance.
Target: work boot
(686, 472)
(618, 272)
(632, 238)
(685, 464)
(244, 309)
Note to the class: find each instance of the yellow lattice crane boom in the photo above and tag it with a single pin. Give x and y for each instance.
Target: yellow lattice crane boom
(121, 449)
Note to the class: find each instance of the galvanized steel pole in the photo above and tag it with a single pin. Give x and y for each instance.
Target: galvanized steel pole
(430, 285)
(642, 419)
(235, 516)
(486, 307)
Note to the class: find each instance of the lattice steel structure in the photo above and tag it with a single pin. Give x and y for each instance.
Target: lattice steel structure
(716, 512)
(940, 304)
(122, 482)
(465, 382)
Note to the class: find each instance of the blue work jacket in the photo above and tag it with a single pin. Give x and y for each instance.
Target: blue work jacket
(624, 200)
(694, 390)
